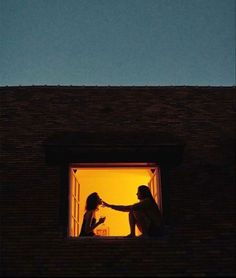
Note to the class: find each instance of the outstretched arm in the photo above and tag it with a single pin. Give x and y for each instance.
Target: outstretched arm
(118, 207)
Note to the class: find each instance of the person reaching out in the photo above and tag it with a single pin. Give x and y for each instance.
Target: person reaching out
(145, 214)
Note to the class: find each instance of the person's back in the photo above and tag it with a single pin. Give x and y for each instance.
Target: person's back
(87, 218)
(150, 215)
(152, 211)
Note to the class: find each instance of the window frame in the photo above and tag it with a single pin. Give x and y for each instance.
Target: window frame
(156, 178)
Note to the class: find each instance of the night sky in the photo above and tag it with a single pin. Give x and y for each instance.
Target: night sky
(117, 42)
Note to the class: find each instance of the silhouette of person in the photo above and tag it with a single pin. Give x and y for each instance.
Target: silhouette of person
(89, 219)
(145, 214)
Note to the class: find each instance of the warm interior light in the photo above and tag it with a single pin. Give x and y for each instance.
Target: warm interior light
(115, 186)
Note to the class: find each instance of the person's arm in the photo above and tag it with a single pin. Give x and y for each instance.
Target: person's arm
(118, 207)
(100, 221)
(88, 222)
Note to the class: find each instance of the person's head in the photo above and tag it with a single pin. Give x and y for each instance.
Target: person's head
(144, 192)
(93, 201)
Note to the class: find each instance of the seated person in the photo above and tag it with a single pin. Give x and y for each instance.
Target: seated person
(145, 214)
(89, 220)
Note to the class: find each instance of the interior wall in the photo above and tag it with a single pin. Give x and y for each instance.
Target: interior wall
(114, 186)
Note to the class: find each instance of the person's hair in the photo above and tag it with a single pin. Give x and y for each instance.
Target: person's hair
(92, 201)
(146, 193)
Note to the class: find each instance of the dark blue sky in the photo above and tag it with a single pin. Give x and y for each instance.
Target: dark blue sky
(117, 42)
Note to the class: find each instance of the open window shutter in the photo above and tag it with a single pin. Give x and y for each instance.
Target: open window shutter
(74, 199)
(155, 186)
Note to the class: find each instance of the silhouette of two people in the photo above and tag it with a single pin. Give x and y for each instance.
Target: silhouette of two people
(144, 214)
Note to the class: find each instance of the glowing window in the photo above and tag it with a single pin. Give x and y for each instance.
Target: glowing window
(116, 183)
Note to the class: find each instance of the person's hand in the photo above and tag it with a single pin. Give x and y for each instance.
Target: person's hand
(105, 204)
(101, 220)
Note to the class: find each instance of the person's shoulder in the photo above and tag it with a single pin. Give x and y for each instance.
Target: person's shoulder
(140, 204)
(88, 213)
(146, 201)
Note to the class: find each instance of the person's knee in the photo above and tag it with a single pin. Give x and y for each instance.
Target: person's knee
(132, 217)
(131, 214)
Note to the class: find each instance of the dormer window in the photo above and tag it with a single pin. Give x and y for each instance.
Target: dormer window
(113, 165)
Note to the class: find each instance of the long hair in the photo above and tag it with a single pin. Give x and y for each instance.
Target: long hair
(92, 201)
(146, 193)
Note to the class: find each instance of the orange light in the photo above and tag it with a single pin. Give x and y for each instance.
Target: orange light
(115, 186)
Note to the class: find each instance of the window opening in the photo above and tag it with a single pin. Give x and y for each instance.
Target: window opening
(116, 183)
